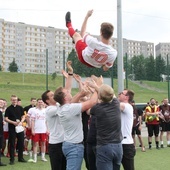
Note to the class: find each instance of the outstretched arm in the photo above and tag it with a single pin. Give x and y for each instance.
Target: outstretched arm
(84, 25)
(68, 84)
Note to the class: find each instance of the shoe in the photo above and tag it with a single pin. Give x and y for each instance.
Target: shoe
(158, 147)
(22, 160)
(168, 145)
(34, 161)
(43, 159)
(140, 145)
(11, 162)
(1, 164)
(25, 153)
(150, 147)
(162, 146)
(30, 160)
(68, 18)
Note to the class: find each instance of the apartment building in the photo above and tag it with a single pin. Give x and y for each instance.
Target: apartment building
(163, 49)
(28, 44)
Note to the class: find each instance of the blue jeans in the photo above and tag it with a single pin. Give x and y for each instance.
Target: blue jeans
(109, 157)
(74, 154)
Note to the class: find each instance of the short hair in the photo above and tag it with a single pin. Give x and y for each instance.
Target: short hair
(106, 93)
(19, 99)
(45, 97)
(131, 94)
(107, 30)
(32, 98)
(13, 95)
(59, 95)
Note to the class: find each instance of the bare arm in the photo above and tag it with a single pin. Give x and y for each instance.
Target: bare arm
(84, 25)
(68, 84)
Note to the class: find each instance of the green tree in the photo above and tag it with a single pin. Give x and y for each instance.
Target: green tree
(13, 66)
(150, 68)
(138, 67)
(54, 76)
(160, 67)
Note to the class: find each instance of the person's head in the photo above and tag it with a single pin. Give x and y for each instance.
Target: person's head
(19, 102)
(106, 30)
(62, 96)
(126, 96)
(1, 103)
(14, 100)
(48, 98)
(165, 101)
(152, 101)
(106, 93)
(40, 103)
(33, 101)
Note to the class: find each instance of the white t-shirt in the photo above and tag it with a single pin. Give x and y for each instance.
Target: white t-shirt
(39, 117)
(127, 123)
(71, 119)
(54, 126)
(97, 53)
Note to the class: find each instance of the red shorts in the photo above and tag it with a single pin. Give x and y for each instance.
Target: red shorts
(39, 137)
(6, 135)
(80, 46)
(28, 133)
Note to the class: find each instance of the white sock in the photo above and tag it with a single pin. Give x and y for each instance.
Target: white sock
(162, 142)
(35, 157)
(42, 155)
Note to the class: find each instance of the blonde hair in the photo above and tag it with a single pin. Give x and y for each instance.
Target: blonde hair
(106, 93)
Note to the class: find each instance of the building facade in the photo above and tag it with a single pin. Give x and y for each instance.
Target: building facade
(163, 49)
(28, 45)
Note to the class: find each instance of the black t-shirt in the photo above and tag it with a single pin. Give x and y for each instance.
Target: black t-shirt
(13, 113)
(1, 124)
(108, 122)
(85, 119)
(26, 108)
(91, 137)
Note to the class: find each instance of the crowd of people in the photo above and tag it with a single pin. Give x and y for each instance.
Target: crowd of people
(94, 125)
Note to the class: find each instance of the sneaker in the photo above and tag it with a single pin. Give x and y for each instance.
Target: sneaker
(68, 18)
(150, 147)
(31, 160)
(25, 153)
(34, 161)
(168, 145)
(43, 159)
(162, 146)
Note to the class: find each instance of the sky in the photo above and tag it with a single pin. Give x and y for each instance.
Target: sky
(142, 20)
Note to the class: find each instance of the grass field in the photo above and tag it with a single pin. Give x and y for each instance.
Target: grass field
(33, 85)
(150, 160)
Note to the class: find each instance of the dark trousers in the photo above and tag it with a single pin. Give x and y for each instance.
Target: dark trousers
(57, 159)
(12, 142)
(128, 156)
(1, 140)
(91, 155)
